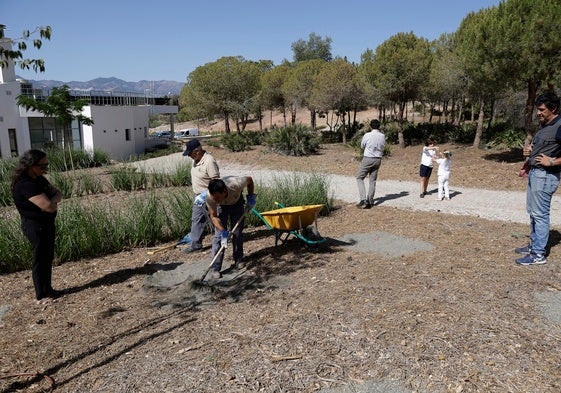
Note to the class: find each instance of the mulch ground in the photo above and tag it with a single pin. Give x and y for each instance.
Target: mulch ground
(457, 317)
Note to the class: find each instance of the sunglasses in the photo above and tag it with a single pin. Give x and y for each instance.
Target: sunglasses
(42, 166)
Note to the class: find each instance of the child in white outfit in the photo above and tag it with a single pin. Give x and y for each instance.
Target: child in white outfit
(444, 175)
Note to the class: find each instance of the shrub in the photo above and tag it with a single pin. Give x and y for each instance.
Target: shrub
(296, 189)
(88, 184)
(63, 160)
(64, 182)
(89, 228)
(5, 193)
(181, 176)
(293, 141)
(235, 142)
(128, 179)
(501, 135)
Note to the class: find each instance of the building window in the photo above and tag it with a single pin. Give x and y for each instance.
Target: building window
(46, 132)
(13, 142)
(127, 134)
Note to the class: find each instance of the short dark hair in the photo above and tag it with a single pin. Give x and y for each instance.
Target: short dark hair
(550, 100)
(375, 124)
(429, 141)
(216, 185)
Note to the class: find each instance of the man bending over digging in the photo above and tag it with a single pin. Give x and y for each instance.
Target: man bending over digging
(225, 204)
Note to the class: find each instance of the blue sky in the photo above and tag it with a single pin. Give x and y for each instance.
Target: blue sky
(166, 40)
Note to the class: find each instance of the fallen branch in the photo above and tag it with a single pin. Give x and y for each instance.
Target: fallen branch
(275, 358)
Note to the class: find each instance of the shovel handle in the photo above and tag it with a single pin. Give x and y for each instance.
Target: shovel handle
(152, 252)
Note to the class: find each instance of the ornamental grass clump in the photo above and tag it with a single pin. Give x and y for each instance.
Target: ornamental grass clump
(296, 189)
(293, 141)
(128, 179)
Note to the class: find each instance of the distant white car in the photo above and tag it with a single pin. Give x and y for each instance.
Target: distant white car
(187, 132)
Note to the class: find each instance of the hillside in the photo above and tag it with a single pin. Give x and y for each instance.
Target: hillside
(156, 88)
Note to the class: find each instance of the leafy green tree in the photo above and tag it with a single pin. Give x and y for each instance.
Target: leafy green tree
(271, 95)
(17, 55)
(315, 48)
(338, 89)
(297, 88)
(367, 79)
(447, 81)
(476, 44)
(224, 88)
(401, 65)
(529, 49)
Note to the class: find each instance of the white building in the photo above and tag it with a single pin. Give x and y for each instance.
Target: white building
(121, 120)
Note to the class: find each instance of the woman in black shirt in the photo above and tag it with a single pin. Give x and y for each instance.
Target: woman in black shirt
(36, 201)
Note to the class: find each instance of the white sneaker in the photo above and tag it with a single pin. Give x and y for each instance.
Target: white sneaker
(214, 275)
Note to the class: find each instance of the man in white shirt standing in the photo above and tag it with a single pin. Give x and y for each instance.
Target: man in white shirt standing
(372, 143)
(203, 170)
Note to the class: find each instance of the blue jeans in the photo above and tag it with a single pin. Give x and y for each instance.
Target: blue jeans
(541, 187)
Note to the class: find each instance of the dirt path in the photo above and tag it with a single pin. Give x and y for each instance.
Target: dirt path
(506, 206)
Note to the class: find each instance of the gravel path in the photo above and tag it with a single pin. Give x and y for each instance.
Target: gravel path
(507, 206)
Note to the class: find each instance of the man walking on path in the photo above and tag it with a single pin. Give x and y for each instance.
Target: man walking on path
(372, 143)
(543, 178)
(203, 170)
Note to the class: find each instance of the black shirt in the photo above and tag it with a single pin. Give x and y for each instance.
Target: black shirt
(27, 187)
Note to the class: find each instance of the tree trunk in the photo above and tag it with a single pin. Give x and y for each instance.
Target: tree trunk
(529, 111)
(238, 124)
(479, 131)
(226, 123)
(344, 128)
(431, 109)
(313, 119)
(492, 114)
(400, 137)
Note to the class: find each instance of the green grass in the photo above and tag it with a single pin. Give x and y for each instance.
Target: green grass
(89, 227)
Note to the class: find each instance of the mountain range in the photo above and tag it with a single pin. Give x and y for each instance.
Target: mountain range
(152, 88)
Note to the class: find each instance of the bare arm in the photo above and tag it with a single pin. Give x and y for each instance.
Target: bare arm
(213, 212)
(44, 203)
(250, 185)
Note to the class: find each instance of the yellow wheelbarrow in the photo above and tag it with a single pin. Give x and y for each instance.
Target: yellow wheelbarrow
(298, 221)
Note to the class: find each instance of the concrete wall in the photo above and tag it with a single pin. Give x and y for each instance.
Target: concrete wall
(10, 118)
(108, 133)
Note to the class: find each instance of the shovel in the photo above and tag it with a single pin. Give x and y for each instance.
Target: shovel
(185, 240)
(222, 247)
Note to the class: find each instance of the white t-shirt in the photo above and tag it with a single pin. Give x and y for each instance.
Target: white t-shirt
(428, 154)
(443, 166)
